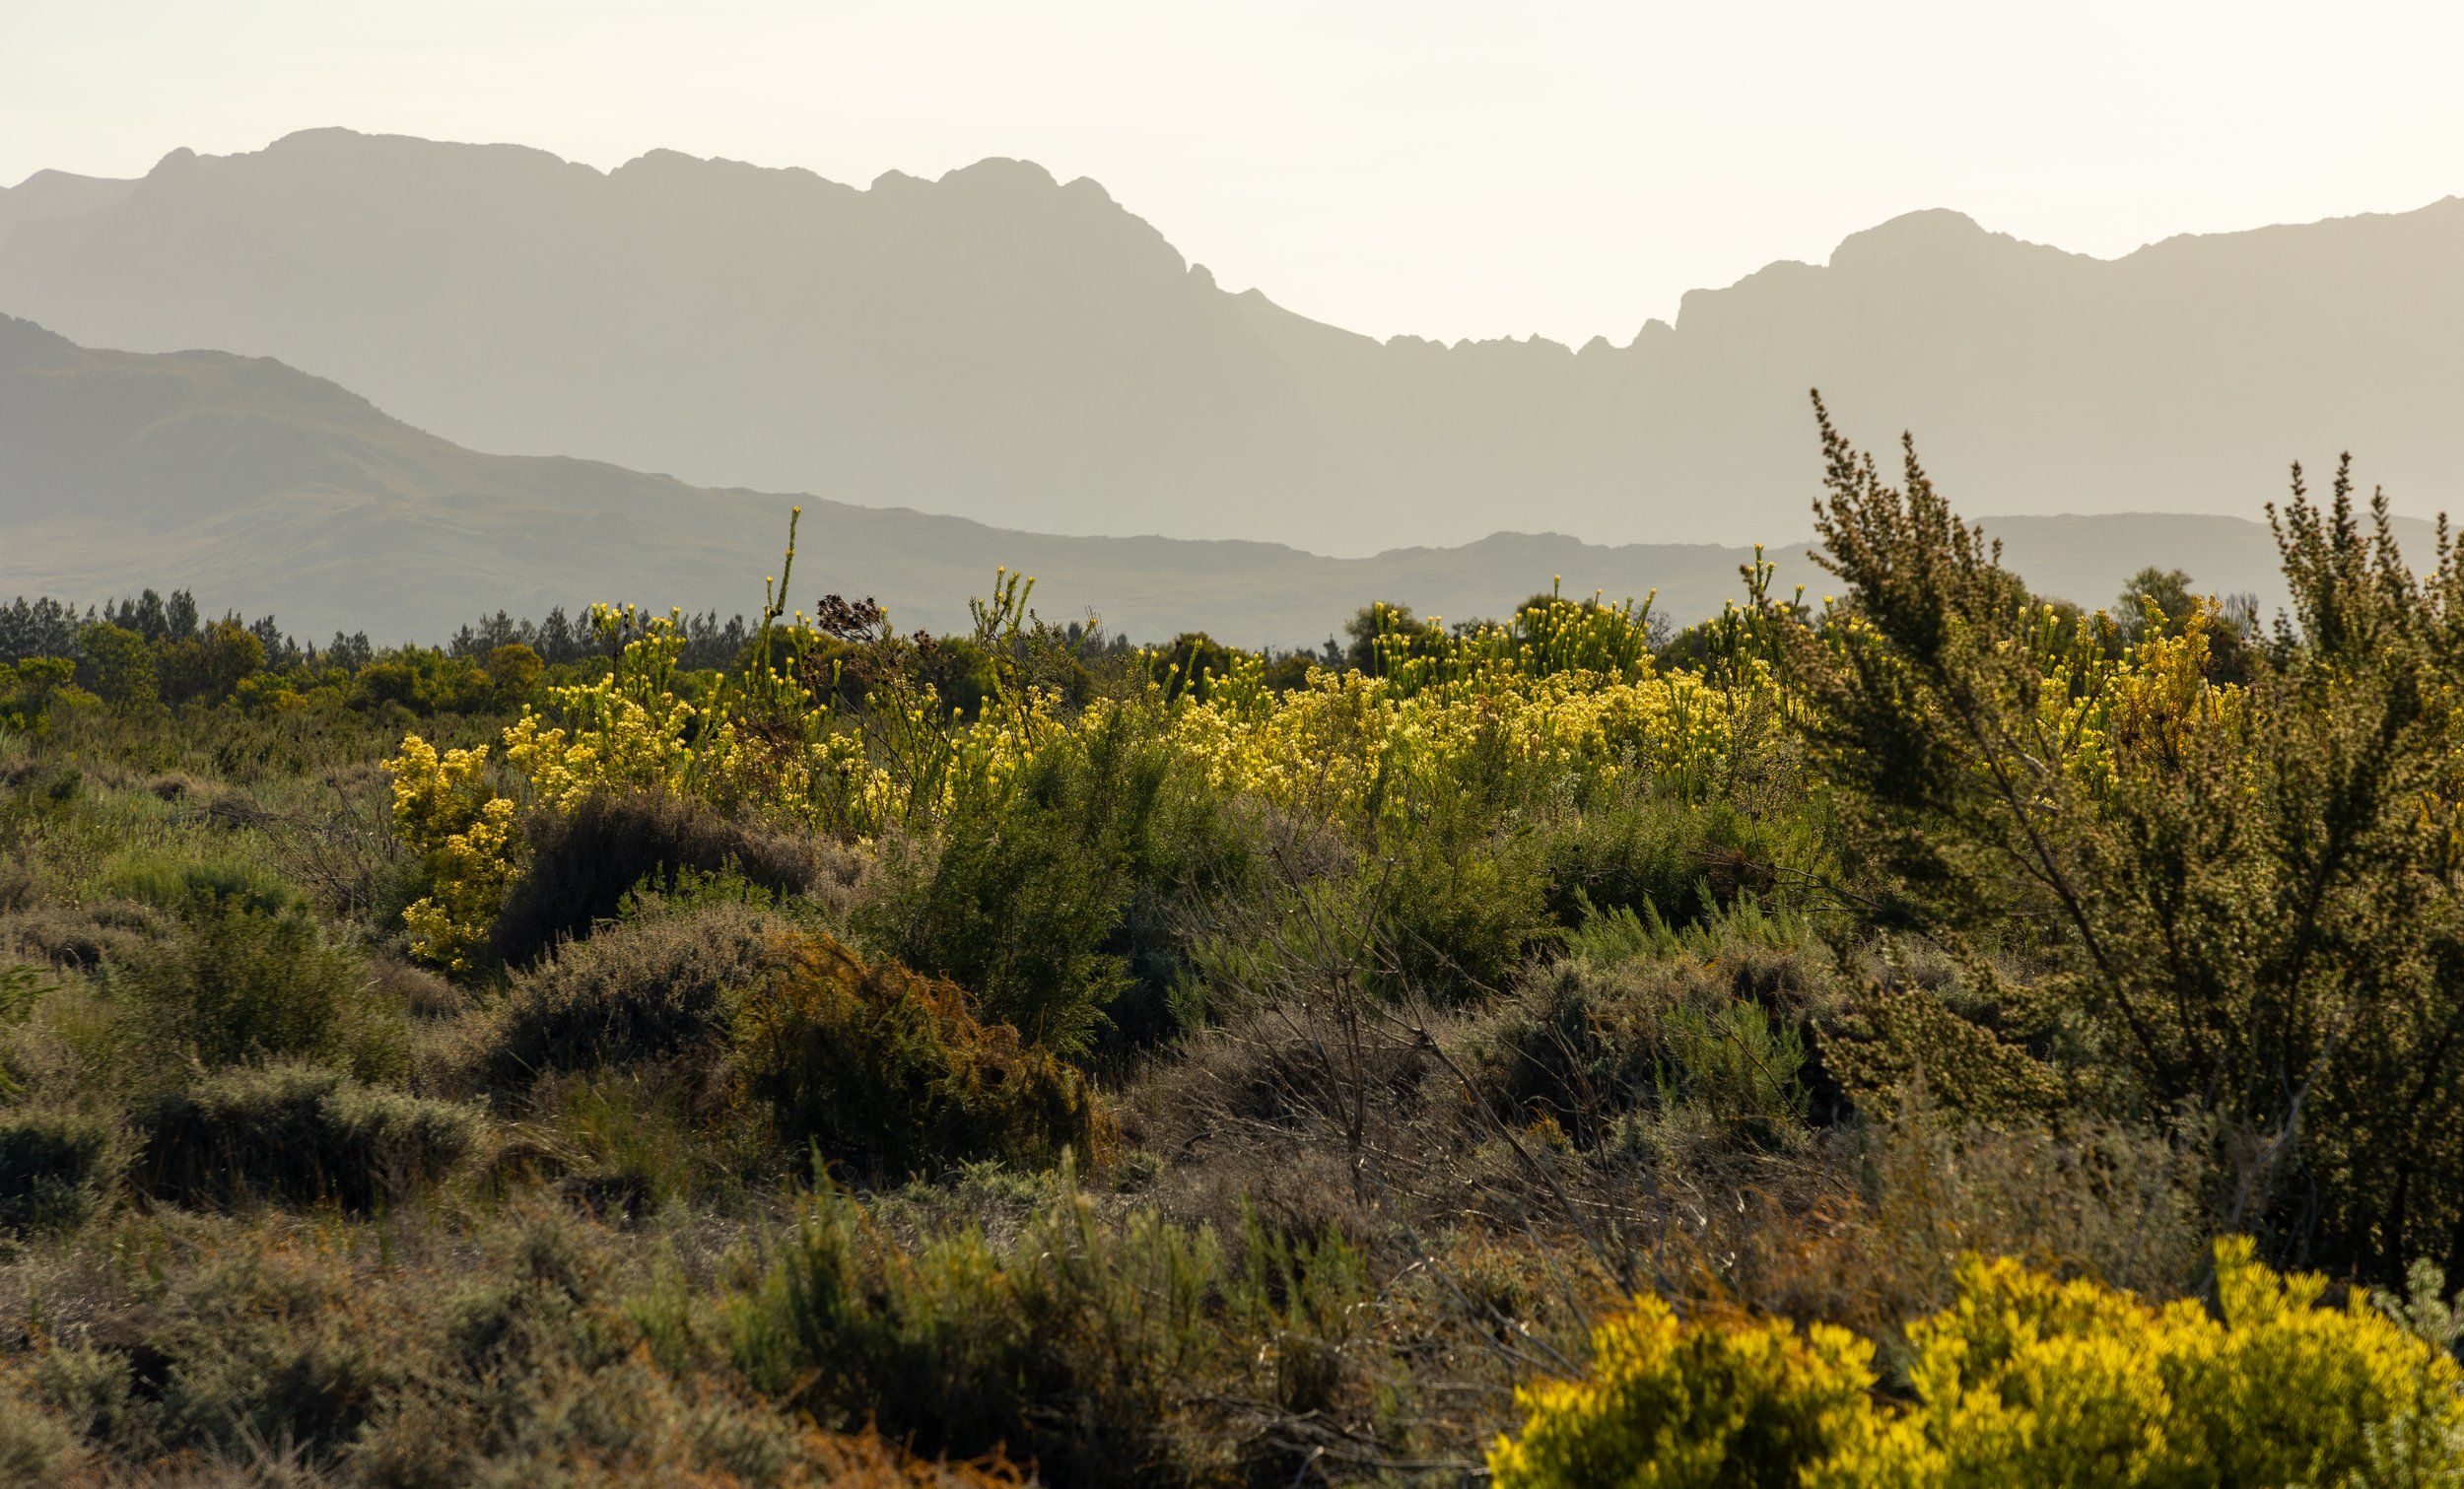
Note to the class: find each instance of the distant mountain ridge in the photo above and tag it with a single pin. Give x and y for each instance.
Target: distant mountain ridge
(1001, 346)
(262, 488)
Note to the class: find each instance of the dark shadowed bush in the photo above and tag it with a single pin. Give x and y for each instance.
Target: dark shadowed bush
(297, 1133)
(584, 863)
(55, 1167)
(889, 1072)
(647, 989)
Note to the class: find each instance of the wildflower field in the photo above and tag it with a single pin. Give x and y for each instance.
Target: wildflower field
(1929, 1034)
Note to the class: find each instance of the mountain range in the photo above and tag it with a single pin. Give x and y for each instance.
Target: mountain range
(261, 487)
(1000, 345)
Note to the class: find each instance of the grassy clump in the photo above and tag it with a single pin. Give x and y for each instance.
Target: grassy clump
(298, 1134)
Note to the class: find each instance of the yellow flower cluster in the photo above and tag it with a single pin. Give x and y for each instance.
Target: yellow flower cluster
(1352, 746)
(466, 835)
(2150, 710)
(2025, 1380)
(1672, 1406)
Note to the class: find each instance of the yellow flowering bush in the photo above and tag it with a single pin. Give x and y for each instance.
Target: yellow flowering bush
(2025, 1380)
(1668, 1404)
(468, 839)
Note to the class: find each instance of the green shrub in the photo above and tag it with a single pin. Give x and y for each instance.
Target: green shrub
(1682, 861)
(56, 1166)
(1457, 912)
(297, 1133)
(584, 863)
(886, 1071)
(647, 989)
(236, 984)
(1044, 896)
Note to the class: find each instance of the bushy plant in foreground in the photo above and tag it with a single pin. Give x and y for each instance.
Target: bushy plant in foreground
(2250, 898)
(2025, 1380)
(1082, 1345)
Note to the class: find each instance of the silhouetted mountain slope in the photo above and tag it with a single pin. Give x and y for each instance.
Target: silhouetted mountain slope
(48, 194)
(259, 486)
(1001, 346)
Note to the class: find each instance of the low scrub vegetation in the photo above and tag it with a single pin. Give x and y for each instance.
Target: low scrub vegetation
(1935, 1037)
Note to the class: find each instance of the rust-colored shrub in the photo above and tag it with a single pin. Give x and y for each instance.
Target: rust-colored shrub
(885, 1070)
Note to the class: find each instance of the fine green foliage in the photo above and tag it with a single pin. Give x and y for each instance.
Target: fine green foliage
(1040, 893)
(237, 985)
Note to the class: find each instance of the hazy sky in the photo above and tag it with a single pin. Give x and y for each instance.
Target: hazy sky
(1443, 168)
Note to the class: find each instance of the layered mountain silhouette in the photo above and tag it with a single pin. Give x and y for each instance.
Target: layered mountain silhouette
(261, 487)
(1000, 346)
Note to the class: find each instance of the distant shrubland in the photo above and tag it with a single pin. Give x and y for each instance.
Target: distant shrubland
(1925, 1035)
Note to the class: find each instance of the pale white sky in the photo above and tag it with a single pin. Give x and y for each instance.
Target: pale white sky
(1437, 167)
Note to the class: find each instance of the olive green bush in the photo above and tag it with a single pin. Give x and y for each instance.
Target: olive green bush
(1684, 860)
(1046, 897)
(2243, 901)
(1712, 1030)
(236, 983)
(1076, 1345)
